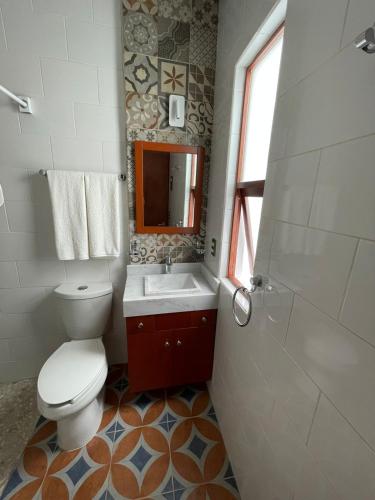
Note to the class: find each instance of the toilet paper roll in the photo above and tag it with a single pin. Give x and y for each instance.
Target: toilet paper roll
(1, 197)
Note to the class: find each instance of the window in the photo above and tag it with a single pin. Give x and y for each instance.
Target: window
(257, 116)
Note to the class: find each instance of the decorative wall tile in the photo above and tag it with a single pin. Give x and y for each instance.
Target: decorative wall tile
(163, 121)
(141, 73)
(174, 38)
(199, 118)
(140, 33)
(205, 13)
(201, 83)
(172, 77)
(202, 46)
(141, 110)
(176, 9)
(145, 6)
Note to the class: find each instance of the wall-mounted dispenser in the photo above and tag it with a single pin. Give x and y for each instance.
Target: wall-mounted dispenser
(176, 110)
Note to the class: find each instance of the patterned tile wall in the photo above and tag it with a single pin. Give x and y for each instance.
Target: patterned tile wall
(169, 48)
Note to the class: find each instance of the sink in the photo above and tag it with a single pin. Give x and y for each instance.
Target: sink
(170, 284)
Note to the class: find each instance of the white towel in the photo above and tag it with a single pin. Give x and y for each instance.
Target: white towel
(1, 197)
(103, 214)
(67, 191)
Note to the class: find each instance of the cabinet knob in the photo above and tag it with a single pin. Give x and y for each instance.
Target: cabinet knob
(204, 319)
(140, 325)
(179, 342)
(167, 344)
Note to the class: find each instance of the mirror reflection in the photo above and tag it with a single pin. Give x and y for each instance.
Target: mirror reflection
(168, 187)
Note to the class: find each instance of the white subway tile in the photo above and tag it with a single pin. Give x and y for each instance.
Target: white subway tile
(67, 80)
(22, 216)
(107, 12)
(16, 325)
(277, 303)
(111, 87)
(289, 188)
(340, 363)
(21, 73)
(312, 35)
(314, 264)
(30, 32)
(26, 246)
(16, 184)
(358, 312)
(311, 484)
(4, 226)
(41, 273)
(361, 14)
(94, 44)
(98, 122)
(21, 300)
(344, 199)
(50, 117)
(4, 351)
(27, 368)
(113, 156)
(25, 151)
(77, 154)
(2, 33)
(324, 109)
(341, 454)
(89, 270)
(8, 275)
(79, 9)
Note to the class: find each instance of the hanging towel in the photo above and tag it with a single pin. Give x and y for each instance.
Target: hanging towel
(103, 214)
(67, 191)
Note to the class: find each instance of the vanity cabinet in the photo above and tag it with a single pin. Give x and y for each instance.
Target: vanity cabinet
(166, 350)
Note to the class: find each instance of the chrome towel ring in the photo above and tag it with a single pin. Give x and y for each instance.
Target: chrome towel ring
(256, 281)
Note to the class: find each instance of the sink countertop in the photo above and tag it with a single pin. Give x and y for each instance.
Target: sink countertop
(136, 303)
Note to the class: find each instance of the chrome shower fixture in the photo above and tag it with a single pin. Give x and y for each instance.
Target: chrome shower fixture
(366, 41)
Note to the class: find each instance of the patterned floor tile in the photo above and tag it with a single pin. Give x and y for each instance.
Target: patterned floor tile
(172, 78)
(141, 73)
(141, 464)
(174, 38)
(141, 110)
(202, 46)
(155, 445)
(140, 33)
(198, 453)
(145, 6)
(176, 9)
(205, 13)
(199, 118)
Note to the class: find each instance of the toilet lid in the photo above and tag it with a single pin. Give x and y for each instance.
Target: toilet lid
(72, 368)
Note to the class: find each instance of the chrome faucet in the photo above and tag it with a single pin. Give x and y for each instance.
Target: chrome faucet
(168, 265)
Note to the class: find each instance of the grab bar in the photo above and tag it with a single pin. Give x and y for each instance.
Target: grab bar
(23, 102)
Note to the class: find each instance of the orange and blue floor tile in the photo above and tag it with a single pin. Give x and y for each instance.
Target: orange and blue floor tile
(155, 445)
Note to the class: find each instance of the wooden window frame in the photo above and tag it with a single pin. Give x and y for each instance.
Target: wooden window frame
(249, 189)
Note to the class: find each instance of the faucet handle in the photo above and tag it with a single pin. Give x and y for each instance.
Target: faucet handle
(168, 260)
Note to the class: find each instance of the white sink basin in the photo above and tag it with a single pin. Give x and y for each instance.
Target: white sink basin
(170, 284)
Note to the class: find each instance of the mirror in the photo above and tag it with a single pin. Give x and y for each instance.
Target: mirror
(168, 180)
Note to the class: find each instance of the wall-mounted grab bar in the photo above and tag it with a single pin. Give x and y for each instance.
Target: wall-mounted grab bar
(121, 177)
(23, 102)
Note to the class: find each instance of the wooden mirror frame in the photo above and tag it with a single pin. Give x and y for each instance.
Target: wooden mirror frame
(140, 147)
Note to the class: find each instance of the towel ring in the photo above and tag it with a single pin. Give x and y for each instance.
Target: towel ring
(257, 281)
(250, 310)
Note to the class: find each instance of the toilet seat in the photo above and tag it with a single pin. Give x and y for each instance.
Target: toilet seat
(72, 372)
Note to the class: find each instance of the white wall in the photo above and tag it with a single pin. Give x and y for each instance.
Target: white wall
(67, 56)
(294, 391)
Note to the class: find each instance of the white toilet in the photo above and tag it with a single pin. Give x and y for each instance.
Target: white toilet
(71, 381)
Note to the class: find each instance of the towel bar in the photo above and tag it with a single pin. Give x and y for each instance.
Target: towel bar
(121, 177)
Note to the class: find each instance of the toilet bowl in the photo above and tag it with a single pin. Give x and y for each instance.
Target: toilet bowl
(71, 381)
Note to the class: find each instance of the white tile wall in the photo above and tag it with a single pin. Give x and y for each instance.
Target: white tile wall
(294, 390)
(67, 57)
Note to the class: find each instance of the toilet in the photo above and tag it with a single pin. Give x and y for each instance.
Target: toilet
(71, 381)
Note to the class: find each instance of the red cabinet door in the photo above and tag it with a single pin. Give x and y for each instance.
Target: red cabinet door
(150, 359)
(193, 352)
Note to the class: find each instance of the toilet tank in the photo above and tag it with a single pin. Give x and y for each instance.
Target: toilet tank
(84, 308)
